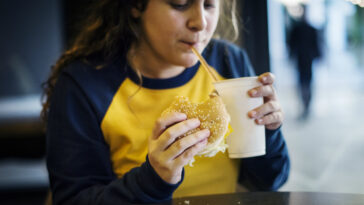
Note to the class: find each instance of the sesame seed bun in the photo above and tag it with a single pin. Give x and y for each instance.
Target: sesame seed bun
(212, 115)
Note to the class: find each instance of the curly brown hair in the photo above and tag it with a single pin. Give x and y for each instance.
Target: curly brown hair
(108, 31)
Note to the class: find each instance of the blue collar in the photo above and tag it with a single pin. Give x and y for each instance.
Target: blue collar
(167, 83)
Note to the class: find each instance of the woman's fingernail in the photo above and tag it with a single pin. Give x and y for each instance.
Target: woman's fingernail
(182, 115)
(259, 121)
(206, 131)
(253, 92)
(195, 121)
(253, 113)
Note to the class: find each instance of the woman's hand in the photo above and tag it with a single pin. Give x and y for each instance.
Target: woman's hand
(270, 113)
(168, 154)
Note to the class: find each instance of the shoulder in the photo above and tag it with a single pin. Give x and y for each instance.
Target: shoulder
(228, 59)
(97, 86)
(89, 76)
(218, 47)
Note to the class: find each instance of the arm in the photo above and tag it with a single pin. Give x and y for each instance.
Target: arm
(78, 159)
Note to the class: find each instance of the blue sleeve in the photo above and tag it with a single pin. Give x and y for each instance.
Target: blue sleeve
(268, 172)
(78, 158)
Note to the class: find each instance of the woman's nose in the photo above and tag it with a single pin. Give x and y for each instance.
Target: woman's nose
(197, 19)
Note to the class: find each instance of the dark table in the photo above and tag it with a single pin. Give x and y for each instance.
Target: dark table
(273, 198)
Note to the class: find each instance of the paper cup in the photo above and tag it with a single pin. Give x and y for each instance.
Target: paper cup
(247, 138)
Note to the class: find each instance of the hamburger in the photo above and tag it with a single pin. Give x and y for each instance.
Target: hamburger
(212, 115)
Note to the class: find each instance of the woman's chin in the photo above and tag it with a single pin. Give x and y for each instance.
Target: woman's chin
(190, 61)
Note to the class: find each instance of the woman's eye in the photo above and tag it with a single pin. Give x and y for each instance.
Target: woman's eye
(183, 5)
(180, 6)
(208, 6)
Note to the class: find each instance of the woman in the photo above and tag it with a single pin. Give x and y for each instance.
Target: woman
(106, 141)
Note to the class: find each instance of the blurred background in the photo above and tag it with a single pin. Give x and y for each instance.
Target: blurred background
(320, 89)
(326, 143)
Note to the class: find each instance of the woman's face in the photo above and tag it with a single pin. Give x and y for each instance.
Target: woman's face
(171, 27)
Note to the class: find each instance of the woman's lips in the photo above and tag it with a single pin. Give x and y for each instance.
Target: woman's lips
(190, 43)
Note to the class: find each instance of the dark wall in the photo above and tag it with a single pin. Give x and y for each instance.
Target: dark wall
(255, 33)
(30, 42)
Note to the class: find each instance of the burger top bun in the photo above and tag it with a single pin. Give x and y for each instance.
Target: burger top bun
(212, 115)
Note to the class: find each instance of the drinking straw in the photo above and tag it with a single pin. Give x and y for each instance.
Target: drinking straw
(205, 65)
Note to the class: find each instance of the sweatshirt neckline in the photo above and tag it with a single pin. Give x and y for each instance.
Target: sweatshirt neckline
(166, 83)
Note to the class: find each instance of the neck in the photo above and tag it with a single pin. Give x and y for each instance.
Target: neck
(152, 67)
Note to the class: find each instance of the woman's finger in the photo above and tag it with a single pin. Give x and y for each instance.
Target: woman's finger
(179, 146)
(263, 91)
(172, 133)
(266, 78)
(266, 108)
(184, 158)
(272, 118)
(165, 121)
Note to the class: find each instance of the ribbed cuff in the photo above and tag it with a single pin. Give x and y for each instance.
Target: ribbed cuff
(155, 185)
(274, 140)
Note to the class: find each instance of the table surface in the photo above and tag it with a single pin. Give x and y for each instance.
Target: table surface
(273, 198)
